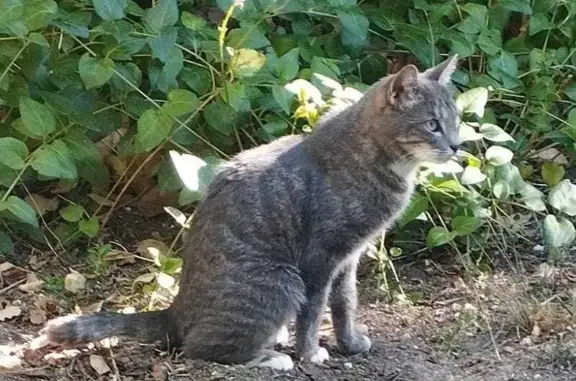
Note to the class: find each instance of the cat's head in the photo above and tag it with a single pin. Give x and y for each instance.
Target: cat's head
(414, 113)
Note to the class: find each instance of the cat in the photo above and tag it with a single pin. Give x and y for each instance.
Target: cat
(281, 228)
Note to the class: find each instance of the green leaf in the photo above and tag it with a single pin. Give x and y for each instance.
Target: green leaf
(473, 101)
(288, 66)
(72, 213)
(134, 9)
(198, 79)
(95, 72)
(11, 10)
(504, 68)
(275, 127)
(110, 9)
(451, 186)
(418, 205)
(153, 128)
(20, 209)
(563, 197)
(460, 43)
(468, 133)
(538, 23)
(38, 13)
(510, 174)
(355, 25)
(417, 40)
(373, 67)
(87, 157)
(220, 117)
(168, 180)
(464, 225)
(7, 175)
(472, 175)
(522, 6)
(234, 95)
(13, 152)
(570, 91)
(494, 133)
(283, 97)
(39, 39)
(89, 227)
(195, 173)
(163, 43)
(55, 160)
(438, 236)
(37, 119)
(172, 265)
(132, 77)
(325, 67)
(247, 37)
(165, 13)
(558, 233)
(552, 173)
(476, 19)
(501, 190)
(180, 102)
(532, 198)
(191, 21)
(490, 41)
(497, 155)
(6, 244)
(246, 62)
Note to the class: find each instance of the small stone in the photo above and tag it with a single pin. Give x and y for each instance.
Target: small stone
(348, 365)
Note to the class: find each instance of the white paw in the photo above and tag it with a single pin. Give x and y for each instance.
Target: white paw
(320, 356)
(283, 335)
(280, 362)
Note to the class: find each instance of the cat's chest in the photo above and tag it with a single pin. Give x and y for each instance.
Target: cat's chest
(360, 218)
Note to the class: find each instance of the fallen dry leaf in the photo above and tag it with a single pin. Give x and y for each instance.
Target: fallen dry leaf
(63, 186)
(74, 282)
(4, 266)
(99, 365)
(37, 316)
(55, 357)
(10, 312)
(94, 307)
(102, 201)
(33, 284)
(151, 248)
(152, 202)
(42, 204)
(552, 154)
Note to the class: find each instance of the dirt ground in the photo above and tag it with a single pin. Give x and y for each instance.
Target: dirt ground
(503, 327)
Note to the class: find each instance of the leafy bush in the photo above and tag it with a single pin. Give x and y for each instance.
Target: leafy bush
(94, 93)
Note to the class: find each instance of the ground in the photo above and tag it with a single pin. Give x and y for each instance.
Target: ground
(506, 326)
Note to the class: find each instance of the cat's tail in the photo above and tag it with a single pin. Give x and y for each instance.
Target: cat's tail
(145, 327)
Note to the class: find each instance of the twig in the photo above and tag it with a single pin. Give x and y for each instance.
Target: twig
(8, 288)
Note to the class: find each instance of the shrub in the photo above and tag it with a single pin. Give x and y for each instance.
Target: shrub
(95, 92)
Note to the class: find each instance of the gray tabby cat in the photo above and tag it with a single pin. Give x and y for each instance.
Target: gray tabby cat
(281, 228)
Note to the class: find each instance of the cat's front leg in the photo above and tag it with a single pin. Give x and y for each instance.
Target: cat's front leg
(343, 303)
(308, 324)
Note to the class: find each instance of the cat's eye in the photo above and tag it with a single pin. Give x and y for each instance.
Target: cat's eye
(432, 125)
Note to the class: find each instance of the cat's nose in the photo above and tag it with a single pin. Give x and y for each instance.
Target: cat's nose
(454, 147)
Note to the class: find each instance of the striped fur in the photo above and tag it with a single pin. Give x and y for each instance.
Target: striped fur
(279, 233)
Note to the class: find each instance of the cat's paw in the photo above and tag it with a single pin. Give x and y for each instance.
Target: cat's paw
(316, 356)
(357, 344)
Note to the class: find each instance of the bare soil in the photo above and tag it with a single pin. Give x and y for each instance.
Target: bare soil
(503, 327)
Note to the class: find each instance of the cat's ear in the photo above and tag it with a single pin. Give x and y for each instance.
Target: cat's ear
(443, 71)
(405, 78)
